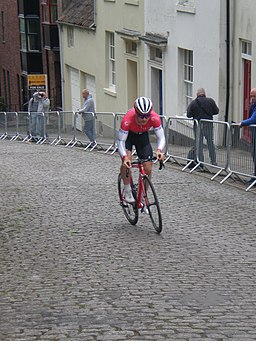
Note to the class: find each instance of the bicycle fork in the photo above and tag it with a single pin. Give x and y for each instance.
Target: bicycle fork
(141, 194)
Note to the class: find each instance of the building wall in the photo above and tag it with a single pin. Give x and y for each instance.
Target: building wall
(199, 31)
(90, 54)
(10, 53)
(244, 28)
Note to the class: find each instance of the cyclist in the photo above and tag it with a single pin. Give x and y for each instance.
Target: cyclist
(134, 131)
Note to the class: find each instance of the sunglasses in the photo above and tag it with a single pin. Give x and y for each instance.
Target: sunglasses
(143, 115)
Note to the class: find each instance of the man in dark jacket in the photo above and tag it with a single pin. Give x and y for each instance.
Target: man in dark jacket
(203, 107)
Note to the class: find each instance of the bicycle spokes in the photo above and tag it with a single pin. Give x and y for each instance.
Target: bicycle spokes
(152, 204)
(130, 209)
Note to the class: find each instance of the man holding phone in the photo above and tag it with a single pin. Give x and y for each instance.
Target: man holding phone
(37, 106)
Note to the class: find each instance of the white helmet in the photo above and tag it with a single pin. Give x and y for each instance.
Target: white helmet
(143, 105)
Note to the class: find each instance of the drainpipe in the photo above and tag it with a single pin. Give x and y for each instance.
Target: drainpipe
(61, 67)
(227, 58)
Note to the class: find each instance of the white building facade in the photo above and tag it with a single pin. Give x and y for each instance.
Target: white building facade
(165, 51)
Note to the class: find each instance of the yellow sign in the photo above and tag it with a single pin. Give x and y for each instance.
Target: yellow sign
(37, 82)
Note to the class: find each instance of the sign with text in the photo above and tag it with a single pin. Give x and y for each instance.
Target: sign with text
(37, 82)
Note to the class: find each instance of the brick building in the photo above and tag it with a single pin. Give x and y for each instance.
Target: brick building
(29, 46)
(10, 70)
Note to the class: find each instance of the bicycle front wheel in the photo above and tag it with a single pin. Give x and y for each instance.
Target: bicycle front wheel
(130, 210)
(152, 204)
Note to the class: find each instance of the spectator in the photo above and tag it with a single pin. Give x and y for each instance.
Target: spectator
(203, 107)
(89, 119)
(38, 104)
(249, 121)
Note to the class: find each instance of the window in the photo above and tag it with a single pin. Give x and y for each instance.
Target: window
(112, 70)
(70, 38)
(3, 27)
(131, 47)
(29, 34)
(23, 43)
(156, 54)
(188, 77)
(50, 11)
(53, 11)
(45, 14)
(33, 36)
(247, 49)
(20, 7)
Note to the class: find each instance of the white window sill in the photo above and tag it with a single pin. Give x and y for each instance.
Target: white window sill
(110, 92)
(132, 2)
(186, 8)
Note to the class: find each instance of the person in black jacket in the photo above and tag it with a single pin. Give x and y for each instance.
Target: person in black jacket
(203, 107)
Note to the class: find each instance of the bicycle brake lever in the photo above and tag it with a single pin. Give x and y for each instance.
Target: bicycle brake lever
(127, 172)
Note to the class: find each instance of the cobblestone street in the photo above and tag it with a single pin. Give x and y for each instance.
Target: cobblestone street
(73, 268)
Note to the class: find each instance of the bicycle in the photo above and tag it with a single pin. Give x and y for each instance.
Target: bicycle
(144, 195)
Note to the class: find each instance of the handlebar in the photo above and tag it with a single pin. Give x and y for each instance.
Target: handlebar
(153, 158)
(140, 161)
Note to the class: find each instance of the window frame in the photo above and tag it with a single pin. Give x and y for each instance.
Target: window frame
(131, 47)
(70, 36)
(33, 35)
(111, 61)
(29, 38)
(154, 51)
(188, 76)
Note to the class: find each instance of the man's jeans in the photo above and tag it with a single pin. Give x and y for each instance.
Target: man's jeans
(89, 126)
(37, 124)
(206, 130)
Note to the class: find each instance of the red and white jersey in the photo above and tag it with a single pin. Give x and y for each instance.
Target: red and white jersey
(129, 123)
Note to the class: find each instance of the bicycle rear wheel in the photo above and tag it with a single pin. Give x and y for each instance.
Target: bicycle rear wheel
(152, 204)
(130, 210)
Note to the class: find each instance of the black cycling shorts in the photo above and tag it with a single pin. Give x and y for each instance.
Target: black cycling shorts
(142, 144)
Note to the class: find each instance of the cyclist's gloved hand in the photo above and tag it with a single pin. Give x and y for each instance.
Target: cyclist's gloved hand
(127, 162)
(159, 155)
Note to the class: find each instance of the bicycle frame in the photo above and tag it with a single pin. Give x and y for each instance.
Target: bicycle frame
(144, 195)
(140, 189)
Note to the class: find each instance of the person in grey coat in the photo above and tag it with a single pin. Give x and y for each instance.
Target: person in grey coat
(39, 103)
(87, 112)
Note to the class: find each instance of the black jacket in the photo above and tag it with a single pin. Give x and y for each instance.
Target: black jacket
(202, 108)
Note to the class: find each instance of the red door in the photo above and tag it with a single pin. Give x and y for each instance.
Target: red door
(246, 104)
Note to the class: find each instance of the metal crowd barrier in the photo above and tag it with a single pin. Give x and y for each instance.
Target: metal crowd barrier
(12, 125)
(22, 132)
(3, 126)
(104, 128)
(235, 148)
(117, 124)
(180, 141)
(212, 145)
(242, 156)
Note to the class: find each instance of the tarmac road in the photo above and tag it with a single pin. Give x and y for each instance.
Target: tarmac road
(72, 267)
